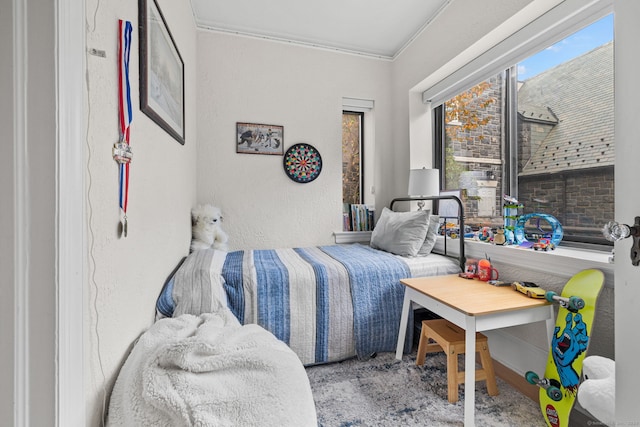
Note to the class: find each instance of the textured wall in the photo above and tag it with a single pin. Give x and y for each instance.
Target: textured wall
(602, 335)
(248, 80)
(126, 275)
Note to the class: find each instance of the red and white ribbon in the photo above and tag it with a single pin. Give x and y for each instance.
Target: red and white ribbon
(122, 149)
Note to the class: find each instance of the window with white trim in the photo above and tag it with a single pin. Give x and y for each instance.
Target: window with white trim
(542, 137)
(352, 156)
(358, 136)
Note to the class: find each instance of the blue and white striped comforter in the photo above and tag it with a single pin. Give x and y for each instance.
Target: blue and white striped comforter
(327, 303)
(321, 301)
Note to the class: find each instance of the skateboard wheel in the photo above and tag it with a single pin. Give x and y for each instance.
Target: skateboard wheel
(532, 377)
(549, 295)
(554, 394)
(576, 302)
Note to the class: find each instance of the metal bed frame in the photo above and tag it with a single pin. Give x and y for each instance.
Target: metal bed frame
(460, 217)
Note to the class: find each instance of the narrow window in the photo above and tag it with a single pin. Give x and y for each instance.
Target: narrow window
(352, 157)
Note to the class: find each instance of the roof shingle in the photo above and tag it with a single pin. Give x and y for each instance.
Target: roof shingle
(579, 93)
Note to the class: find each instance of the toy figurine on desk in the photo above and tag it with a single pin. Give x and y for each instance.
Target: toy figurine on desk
(499, 238)
(471, 268)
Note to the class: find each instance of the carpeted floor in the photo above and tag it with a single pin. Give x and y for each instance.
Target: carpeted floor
(384, 391)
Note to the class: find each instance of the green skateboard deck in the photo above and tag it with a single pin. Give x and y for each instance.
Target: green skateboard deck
(569, 344)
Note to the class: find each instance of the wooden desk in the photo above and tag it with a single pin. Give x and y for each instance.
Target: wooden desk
(474, 306)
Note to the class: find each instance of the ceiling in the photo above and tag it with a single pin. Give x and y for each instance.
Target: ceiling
(379, 28)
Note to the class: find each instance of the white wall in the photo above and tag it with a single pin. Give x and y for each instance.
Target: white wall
(126, 275)
(459, 26)
(7, 233)
(249, 80)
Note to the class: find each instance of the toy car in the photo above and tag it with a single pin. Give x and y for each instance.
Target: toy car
(544, 244)
(530, 289)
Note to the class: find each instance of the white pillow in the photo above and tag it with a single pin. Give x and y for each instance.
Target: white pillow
(401, 233)
(432, 234)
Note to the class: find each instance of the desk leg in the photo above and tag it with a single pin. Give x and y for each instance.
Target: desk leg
(470, 372)
(402, 332)
(551, 324)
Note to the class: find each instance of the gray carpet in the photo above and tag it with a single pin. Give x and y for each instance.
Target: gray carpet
(384, 391)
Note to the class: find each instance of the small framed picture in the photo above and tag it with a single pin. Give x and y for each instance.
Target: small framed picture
(253, 138)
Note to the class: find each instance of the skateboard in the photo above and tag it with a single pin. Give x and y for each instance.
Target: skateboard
(569, 344)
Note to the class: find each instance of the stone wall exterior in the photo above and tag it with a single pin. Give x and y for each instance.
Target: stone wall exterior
(484, 142)
(582, 200)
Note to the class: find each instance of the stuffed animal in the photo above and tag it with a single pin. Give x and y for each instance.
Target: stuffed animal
(206, 229)
(597, 393)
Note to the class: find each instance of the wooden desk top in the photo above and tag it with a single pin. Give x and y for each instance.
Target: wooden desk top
(471, 296)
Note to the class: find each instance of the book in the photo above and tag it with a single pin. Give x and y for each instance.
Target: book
(358, 217)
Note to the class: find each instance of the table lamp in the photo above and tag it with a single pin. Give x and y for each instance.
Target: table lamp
(424, 183)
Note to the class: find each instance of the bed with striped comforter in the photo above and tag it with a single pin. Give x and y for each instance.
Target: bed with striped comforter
(328, 303)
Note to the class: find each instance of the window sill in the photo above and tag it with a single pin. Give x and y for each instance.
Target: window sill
(352, 236)
(563, 261)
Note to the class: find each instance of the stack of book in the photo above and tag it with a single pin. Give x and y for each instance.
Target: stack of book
(357, 217)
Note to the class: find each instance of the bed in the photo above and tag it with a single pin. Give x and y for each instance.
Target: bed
(327, 303)
(235, 330)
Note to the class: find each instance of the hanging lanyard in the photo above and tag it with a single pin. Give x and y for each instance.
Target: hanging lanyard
(122, 149)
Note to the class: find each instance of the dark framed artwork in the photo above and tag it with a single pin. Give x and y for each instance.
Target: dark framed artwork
(254, 138)
(161, 71)
(302, 163)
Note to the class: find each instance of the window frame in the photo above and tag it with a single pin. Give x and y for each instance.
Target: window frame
(361, 143)
(510, 153)
(549, 27)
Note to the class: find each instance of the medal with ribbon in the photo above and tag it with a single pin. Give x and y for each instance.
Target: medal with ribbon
(122, 149)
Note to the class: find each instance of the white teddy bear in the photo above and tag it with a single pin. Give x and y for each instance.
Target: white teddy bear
(206, 229)
(597, 393)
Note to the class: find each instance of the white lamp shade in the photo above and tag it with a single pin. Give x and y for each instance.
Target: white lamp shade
(424, 182)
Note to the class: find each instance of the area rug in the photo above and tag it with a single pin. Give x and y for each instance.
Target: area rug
(383, 391)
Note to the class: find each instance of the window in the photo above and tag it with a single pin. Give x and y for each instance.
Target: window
(540, 132)
(358, 191)
(352, 155)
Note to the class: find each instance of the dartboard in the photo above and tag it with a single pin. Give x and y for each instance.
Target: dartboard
(302, 163)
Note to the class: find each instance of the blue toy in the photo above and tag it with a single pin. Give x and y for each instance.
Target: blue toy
(510, 214)
(556, 229)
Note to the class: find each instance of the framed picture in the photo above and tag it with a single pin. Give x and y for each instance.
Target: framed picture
(253, 138)
(161, 71)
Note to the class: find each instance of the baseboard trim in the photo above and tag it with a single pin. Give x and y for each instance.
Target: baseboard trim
(516, 381)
